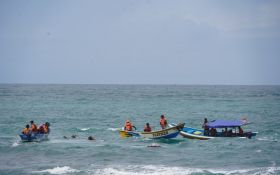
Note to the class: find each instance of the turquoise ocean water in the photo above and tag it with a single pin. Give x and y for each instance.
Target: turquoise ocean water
(98, 110)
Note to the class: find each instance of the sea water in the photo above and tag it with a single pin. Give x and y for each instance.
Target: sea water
(99, 110)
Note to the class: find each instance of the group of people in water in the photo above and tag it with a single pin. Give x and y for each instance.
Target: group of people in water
(129, 126)
(225, 132)
(32, 128)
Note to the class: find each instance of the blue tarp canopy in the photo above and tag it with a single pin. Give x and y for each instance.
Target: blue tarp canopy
(224, 123)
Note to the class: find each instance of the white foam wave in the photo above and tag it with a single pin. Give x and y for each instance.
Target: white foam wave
(164, 170)
(59, 170)
(267, 139)
(113, 129)
(15, 144)
(85, 129)
(270, 170)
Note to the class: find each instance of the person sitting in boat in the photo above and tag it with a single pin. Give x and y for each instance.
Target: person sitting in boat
(240, 131)
(223, 132)
(33, 126)
(230, 133)
(213, 132)
(147, 128)
(26, 130)
(44, 129)
(163, 122)
(129, 126)
(205, 127)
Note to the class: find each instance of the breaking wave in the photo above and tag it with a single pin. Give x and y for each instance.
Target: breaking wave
(59, 170)
(163, 170)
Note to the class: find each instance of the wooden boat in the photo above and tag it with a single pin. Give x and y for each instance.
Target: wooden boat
(167, 133)
(33, 137)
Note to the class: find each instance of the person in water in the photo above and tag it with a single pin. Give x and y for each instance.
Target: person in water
(147, 128)
(44, 129)
(26, 130)
(205, 127)
(129, 126)
(33, 126)
(163, 122)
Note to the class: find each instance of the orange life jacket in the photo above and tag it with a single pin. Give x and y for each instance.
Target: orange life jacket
(34, 128)
(26, 131)
(128, 126)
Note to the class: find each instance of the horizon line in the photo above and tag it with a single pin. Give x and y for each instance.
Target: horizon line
(144, 84)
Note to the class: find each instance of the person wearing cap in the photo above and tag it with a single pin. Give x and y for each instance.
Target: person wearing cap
(147, 128)
(163, 122)
(26, 130)
(33, 126)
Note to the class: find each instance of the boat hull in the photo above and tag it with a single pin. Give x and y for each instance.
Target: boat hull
(167, 133)
(192, 133)
(33, 137)
(125, 134)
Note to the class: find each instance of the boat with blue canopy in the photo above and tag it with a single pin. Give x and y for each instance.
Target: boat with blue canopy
(218, 128)
(226, 123)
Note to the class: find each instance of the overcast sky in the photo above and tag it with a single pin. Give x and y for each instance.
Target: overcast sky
(140, 41)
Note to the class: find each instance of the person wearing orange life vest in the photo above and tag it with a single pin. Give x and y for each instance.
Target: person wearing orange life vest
(147, 128)
(33, 126)
(44, 129)
(163, 122)
(26, 130)
(128, 126)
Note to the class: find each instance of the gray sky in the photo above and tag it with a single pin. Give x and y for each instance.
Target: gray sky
(140, 41)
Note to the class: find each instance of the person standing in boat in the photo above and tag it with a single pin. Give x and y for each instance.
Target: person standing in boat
(147, 128)
(163, 122)
(205, 127)
(34, 128)
(26, 130)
